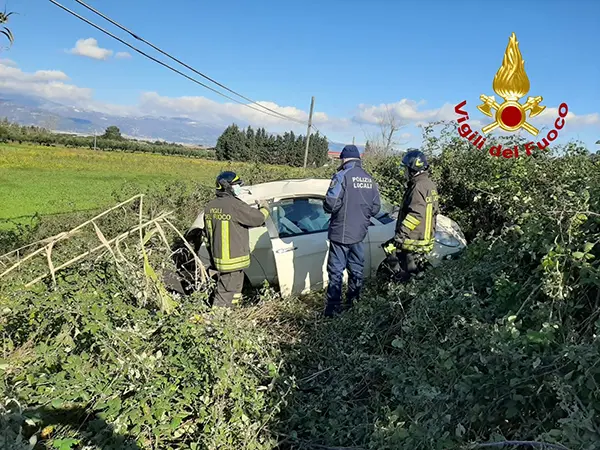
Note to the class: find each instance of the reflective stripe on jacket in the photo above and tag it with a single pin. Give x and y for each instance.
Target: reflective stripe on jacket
(415, 227)
(226, 221)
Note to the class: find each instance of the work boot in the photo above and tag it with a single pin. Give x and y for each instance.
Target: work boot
(332, 310)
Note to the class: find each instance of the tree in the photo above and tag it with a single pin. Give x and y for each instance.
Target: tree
(4, 30)
(383, 143)
(231, 145)
(236, 144)
(112, 132)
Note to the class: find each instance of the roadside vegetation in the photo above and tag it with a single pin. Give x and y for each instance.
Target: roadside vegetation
(501, 344)
(110, 140)
(57, 180)
(234, 144)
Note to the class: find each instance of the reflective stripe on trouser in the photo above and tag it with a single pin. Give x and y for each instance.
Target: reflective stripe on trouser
(229, 288)
(344, 256)
(232, 264)
(418, 246)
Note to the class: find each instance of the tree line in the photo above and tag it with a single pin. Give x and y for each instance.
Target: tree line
(111, 140)
(237, 144)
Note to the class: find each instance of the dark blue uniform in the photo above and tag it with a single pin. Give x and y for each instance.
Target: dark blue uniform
(352, 199)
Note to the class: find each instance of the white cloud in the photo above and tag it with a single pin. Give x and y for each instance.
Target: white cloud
(549, 116)
(47, 84)
(90, 49)
(406, 111)
(50, 75)
(7, 62)
(54, 85)
(122, 55)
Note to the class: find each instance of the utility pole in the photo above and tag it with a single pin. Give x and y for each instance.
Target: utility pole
(312, 105)
(352, 140)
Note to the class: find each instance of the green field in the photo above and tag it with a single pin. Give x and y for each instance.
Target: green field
(52, 180)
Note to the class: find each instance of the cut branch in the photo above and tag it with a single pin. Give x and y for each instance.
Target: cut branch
(101, 246)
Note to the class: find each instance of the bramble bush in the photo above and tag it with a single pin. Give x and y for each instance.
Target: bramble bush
(500, 344)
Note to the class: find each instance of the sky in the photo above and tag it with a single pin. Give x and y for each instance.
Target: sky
(358, 58)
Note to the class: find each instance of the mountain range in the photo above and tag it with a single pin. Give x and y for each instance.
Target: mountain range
(29, 110)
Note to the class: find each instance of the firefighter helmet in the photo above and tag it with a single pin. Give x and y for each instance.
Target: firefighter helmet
(227, 179)
(415, 160)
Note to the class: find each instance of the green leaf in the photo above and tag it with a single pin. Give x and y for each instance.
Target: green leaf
(114, 405)
(272, 370)
(578, 255)
(397, 343)
(588, 247)
(148, 236)
(56, 403)
(511, 412)
(175, 423)
(537, 337)
(65, 444)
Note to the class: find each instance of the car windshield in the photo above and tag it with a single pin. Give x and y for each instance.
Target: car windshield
(388, 211)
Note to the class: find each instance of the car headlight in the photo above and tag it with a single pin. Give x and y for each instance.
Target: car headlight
(446, 239)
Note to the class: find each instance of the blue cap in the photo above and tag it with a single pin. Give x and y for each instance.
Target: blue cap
(350, 151)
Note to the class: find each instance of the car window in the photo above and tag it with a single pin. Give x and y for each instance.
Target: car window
(296, 216)
(387, 213)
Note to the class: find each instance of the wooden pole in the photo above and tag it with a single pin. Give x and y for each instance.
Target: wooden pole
(312, 105)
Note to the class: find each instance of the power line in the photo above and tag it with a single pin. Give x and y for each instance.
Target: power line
(108, 33)
(136, 36)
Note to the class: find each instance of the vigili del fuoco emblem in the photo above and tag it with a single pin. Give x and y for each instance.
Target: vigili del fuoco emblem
(511, 84)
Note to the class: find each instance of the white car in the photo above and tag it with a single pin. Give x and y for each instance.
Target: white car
(291, 249)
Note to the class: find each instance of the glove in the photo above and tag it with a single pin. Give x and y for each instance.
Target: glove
(390, 246)
(262, 204)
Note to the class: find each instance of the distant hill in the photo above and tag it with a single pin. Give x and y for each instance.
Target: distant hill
(57, 117)
(29, 110)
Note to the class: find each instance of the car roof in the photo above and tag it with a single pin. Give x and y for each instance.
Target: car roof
(285, 189)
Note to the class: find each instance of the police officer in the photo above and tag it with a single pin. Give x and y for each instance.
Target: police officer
(352, 199)
(226, 223)
(415, 227)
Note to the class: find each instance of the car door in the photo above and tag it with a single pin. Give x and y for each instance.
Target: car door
(300, 244)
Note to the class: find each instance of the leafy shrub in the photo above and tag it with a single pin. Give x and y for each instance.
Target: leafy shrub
(500, 344)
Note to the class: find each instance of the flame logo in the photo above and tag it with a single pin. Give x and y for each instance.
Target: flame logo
(511, 82)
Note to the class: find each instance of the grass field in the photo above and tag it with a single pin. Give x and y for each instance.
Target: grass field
(51, 180)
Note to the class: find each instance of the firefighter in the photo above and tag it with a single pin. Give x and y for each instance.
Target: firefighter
(226, 223)
(415, 227)
(352, 199)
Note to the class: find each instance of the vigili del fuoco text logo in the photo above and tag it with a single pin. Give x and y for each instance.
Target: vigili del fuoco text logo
(511, 83)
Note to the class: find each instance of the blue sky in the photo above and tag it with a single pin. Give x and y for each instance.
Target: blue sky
(355, 56)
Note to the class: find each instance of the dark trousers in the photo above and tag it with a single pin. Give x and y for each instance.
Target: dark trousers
(408, 265)
(341, 257)
(229, 288)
